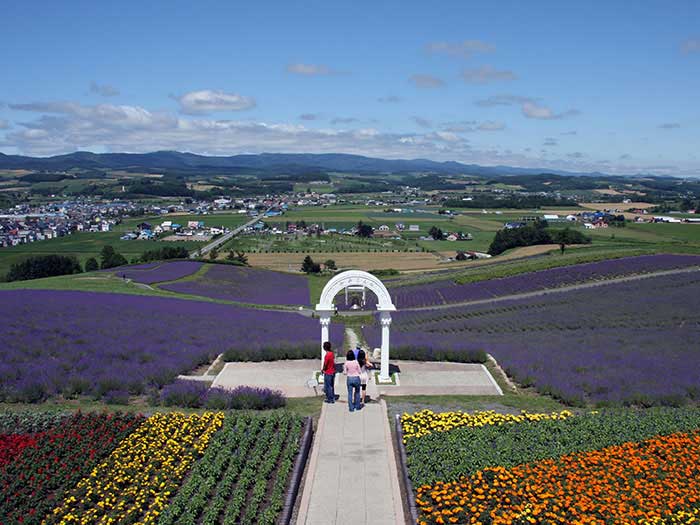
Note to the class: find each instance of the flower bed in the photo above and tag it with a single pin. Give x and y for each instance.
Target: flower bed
(447, 291)
(603, 345)
(170, 468)
(49, 463)
(246, 285)
(608, 467)
(157, 273)
(135, 481)
(113, 345)
(427, 422)
(623, 484)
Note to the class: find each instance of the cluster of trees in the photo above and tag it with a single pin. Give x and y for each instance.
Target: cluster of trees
(533, 234)
(167, 252)
(436, 233)
(40, 266)
(237, 257)
(308, 266)
(364, 230)
(512, 201)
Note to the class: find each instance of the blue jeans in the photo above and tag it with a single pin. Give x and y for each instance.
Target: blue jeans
(353, 393)
(329, 387)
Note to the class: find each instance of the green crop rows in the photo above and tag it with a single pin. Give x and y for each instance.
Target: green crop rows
(243, 475)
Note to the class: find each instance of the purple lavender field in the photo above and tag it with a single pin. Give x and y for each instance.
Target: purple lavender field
(447, 291)
(246, 285)
(624, 343)
(72, 343)
(157, 272)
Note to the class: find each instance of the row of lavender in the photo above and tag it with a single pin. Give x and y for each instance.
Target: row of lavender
(73, 343)
(150, 273)
(447, 291)
(247, 285)
(625, 343)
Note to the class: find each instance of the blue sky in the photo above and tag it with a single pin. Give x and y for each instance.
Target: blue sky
(611, 86)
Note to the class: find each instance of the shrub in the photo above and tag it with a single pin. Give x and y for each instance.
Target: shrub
(197, 394)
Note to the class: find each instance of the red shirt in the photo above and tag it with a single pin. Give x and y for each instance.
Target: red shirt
(329, 363)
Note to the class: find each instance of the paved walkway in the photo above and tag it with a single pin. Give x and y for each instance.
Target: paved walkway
(352, 474)
(290, 377)
(429, 378)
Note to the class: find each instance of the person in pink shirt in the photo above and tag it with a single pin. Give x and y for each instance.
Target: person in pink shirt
(352, 370)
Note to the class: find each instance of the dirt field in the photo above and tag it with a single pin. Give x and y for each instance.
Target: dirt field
(617, 205)
(616, 192)
(198, 238)
(402, 261)
(405, 262)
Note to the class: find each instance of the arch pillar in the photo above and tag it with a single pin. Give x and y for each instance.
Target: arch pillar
(325, 318)
(385, 319)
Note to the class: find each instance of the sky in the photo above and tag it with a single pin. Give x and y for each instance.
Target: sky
(611, 86)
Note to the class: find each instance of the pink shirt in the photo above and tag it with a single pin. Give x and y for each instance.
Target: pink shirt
(352, 368)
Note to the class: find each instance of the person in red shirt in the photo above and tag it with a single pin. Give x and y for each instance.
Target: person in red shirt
(329, 373)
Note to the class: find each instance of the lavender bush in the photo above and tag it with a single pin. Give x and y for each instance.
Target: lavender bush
(247, 285)
(624, 343)
(84, 343)
(194, 394)
(447, 291)
(158, 272)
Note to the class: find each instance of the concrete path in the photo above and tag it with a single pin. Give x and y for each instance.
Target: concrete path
(290, 377)
(417, 378)
(352, 474)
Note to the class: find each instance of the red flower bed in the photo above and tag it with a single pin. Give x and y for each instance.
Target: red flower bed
(34, 479)
(12, 444)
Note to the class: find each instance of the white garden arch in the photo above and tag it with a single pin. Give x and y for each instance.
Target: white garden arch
(356, 279)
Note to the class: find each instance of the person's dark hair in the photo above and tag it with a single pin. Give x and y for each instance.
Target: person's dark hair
(350, 356)
(361, 358)
(327, 346)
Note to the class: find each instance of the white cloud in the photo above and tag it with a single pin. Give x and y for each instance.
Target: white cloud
(537, 111)
(530, 107)
(422, 122)
(463, 49)
(669, 125)
(208, 101)
(62, 127)
(309, 116)
(490, 125)
(389, 99)
(691, 45)
(310, 70)
(104, 90)
(487, 74)
(426, 81)
(572, 132)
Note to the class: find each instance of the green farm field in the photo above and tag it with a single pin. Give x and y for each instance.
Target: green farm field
(84, 245)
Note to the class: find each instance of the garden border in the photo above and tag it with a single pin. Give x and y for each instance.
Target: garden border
(297, 473)
(412, 509)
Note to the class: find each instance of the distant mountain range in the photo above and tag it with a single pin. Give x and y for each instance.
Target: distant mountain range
(262, 163)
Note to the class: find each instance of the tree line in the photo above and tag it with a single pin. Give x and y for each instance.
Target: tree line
(534, 234)
(40, 266)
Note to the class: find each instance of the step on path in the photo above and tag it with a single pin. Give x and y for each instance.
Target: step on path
(352, 475)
